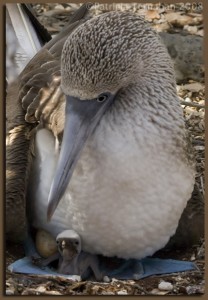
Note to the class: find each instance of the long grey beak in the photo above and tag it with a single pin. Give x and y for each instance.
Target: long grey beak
(81, 118)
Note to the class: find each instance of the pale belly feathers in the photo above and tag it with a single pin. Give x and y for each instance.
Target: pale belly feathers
(124, 199)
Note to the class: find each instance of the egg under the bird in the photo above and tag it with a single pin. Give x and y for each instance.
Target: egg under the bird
(45, 243)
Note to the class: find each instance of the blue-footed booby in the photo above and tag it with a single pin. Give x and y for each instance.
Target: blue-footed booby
(125, 169)
(124, 140)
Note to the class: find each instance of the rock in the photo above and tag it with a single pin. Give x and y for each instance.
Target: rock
(9, 292)
(200, 32)
(165, 286)
(122, 292)
(108, 293)
(193, 87)
(161, 27)
(41, 289)
(59, 6)
(187, 54)
(176, 18)
(151, 15)
(158, 292)
(106, 279)
(191, 29)
(195, 289)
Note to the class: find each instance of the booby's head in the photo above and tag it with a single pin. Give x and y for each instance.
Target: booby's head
(69, 244)
(102, 56)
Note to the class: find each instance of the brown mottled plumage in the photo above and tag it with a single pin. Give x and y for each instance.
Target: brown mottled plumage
(33, 99)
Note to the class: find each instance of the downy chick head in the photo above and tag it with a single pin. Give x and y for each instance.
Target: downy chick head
(69, 244)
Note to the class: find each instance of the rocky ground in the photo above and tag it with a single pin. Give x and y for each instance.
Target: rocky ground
(183, 19)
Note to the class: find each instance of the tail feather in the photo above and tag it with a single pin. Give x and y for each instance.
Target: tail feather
(25, 36)
(23, 39)
(42, 33)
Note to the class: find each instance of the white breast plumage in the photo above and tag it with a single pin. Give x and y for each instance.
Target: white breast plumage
(122, 199)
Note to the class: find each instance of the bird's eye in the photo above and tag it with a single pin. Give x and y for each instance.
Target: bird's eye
(77, 243)
(102, 97)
